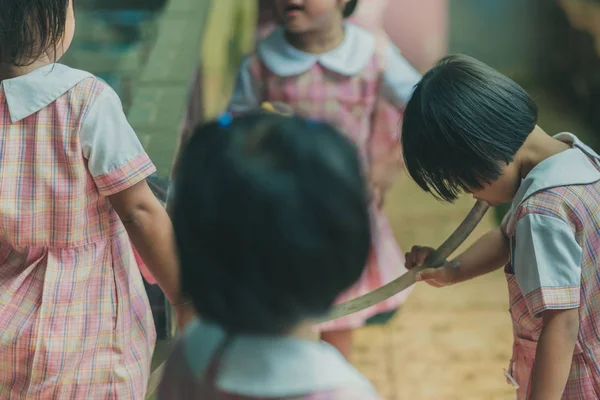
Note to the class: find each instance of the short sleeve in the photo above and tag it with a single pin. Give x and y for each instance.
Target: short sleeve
(116, 158)
(547, 263)
(246, 92)
(399, 78)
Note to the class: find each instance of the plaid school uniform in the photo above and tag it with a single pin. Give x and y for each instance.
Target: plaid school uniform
(254, 368)
(351, 102)
(76, 322)
(554, 230)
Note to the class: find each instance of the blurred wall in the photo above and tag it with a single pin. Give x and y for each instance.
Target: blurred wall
(419, 28)
(514, 36)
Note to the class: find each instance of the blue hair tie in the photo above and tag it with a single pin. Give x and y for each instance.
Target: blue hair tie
(224, 120)
(311, 122)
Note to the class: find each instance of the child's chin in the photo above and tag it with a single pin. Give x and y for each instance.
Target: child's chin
(295, 27)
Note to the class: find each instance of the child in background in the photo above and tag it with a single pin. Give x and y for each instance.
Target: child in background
(271, 220)
(369, 14)
(469, 128)
(74, 316)
(343, 74)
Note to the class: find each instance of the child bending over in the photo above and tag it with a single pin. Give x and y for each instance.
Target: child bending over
(470, 129)
(271, 220)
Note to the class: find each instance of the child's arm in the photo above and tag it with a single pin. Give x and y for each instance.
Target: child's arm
(547, 265)
(487, 254)
(151, 232)
(119, 167)
(554, 354)
(399, 78)
(384, 148)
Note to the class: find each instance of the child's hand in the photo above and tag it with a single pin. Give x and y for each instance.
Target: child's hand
(437, 277)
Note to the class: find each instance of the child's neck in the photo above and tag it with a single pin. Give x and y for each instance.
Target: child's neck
(537, 147)
(8, 71)
(318, 41)
(304, 330)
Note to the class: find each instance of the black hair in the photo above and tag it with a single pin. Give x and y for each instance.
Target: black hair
(350, 8)
(464, 121)
(271, 221)
(30, 28)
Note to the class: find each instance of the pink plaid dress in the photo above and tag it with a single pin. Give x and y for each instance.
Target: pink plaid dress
(554, 229)
(208, 365)
(360, 87)
(76, 322)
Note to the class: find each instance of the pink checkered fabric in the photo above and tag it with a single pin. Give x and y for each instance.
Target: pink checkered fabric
(74, 316)
(579, 205)
(353, 104)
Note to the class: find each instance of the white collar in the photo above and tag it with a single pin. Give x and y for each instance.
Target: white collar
(28, 94)
(268, 366)
(570, 167)
(349, 58)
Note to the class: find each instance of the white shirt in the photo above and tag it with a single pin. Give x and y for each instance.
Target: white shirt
(270, 366)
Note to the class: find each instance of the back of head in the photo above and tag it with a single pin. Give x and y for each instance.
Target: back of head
(464, 121)
(29, 28)
(350, 8)
(271, 221)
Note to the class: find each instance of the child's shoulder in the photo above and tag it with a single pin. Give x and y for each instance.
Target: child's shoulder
(563, 186)
(288, 366)
(29, 94)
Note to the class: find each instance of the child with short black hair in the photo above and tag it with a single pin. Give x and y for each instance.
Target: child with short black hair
(271, 220)
(470, 129)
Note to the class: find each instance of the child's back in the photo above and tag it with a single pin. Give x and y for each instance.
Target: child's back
(272, 223)
(74, 315)
(66, 258)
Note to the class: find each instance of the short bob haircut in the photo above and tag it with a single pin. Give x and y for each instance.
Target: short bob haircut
(350, 8)
(463, 123)
(271, 221)
(30, 28)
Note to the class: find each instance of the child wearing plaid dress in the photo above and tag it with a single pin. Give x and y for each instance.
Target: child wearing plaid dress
(469, 128)
(357, 80)
(271, 221)
(75, 322)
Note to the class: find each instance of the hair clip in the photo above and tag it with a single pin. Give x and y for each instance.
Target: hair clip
(224, 120)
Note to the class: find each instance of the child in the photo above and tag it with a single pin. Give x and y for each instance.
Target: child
(469, 128)
(345, 75)
(74, 316)
(271, 220)
(369, 14)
